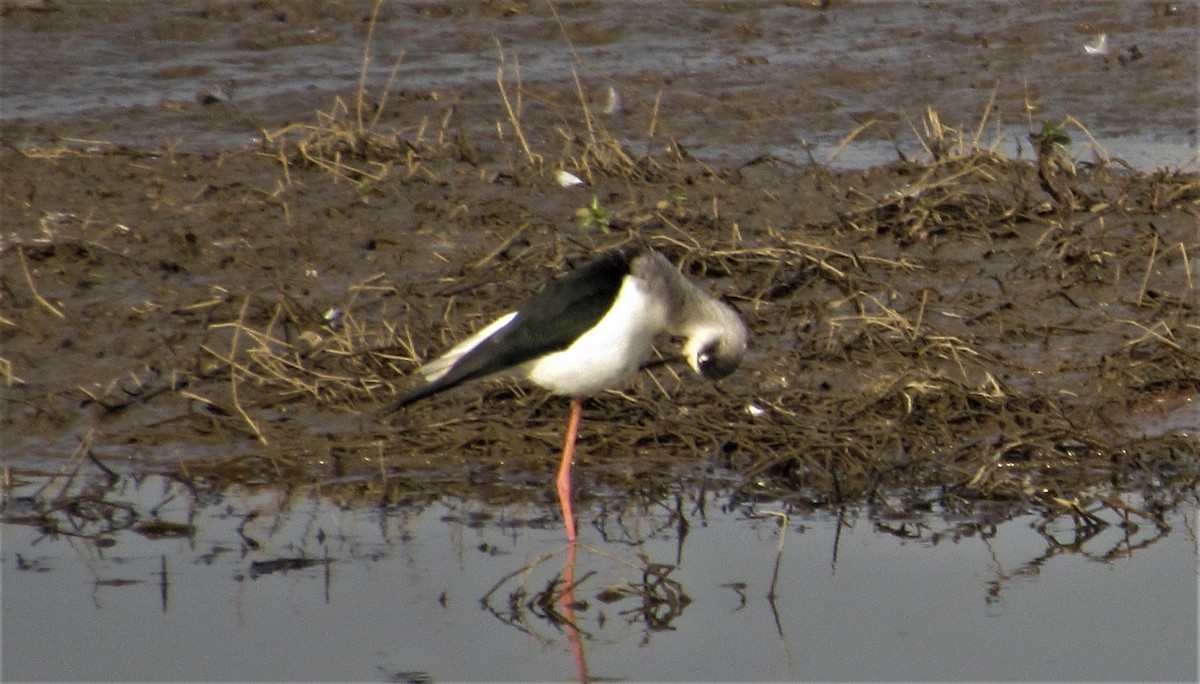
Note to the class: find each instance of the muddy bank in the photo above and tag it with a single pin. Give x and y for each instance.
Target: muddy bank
(956, 327)
(946, 330)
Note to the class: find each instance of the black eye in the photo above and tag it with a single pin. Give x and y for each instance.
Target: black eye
(713, 366)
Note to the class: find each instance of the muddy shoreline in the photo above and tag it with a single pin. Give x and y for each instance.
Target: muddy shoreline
(971, 339)
(956, 328)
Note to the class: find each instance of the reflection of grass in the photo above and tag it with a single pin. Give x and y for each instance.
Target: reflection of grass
(124, 522)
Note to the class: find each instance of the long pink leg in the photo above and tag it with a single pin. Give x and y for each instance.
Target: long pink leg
(564, 469)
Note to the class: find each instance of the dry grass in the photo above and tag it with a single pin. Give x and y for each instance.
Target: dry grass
(349, 142)
(890, 387)
(964, 328)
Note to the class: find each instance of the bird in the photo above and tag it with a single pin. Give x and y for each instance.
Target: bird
(593, 329)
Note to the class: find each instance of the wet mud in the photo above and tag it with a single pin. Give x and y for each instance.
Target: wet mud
(955, 329)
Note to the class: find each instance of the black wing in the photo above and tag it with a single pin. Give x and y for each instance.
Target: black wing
(550, 321)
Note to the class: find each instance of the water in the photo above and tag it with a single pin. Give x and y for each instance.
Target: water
(314, 587)
(730, 80)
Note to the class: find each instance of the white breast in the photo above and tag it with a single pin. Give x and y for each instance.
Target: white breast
(609, 353)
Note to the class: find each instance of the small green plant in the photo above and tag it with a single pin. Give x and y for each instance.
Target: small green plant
(594, 216)
(1054, 165)
(1052, 140)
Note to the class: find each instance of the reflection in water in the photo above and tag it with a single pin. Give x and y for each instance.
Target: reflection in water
(651, 601)
(567, 601)
(742, 590)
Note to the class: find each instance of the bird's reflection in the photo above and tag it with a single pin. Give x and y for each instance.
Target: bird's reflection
(650, 598)
(567, 601)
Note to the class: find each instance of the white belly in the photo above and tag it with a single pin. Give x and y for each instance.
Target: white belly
(608, 354)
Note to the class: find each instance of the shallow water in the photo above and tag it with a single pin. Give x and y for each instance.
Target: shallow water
(734, 80)
(310, 589)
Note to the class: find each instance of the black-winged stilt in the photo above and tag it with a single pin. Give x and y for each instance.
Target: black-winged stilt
(590, 330)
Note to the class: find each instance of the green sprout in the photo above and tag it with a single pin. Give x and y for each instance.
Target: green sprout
(594, 215)
(1052, 140)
